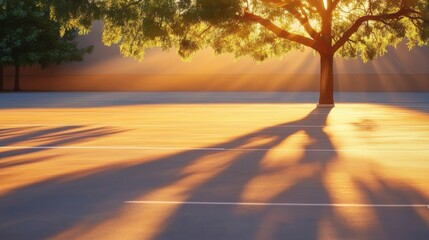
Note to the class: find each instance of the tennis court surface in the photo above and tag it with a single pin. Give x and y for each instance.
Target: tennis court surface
(213, 166)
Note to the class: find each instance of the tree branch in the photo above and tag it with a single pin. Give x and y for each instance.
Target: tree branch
(280, 32)
(356, 25)
(302, 17)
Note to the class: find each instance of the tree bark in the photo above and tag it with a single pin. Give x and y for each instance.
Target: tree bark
(1, 78)
(326, 79)
(17, 85)
(326, 98)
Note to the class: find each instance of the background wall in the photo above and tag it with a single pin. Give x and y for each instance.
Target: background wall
(105, 69)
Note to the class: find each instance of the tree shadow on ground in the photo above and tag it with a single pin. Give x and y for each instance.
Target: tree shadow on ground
(48, 208)
(39, 138)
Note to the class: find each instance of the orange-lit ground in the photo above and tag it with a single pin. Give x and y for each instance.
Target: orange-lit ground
(66, 170)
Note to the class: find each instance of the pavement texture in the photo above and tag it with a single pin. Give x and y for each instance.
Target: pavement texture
(201, 165)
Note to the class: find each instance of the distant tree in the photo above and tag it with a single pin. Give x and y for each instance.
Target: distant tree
(260, 28)
(29, 36)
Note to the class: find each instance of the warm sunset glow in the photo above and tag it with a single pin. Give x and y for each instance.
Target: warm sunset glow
(374, 148)
(202, 119)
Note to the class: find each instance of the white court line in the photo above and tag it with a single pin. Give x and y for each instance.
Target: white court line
(209, 149)
(283, 204)
(175, 125)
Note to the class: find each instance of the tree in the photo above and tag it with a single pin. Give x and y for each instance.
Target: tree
(29, 36)
(263, 28)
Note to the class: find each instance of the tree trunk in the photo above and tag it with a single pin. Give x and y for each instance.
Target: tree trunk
(326, 80)
(17, 85)
(1, 78)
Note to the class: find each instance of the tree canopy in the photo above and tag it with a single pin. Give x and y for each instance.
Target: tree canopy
(259, 28)
(29, 36)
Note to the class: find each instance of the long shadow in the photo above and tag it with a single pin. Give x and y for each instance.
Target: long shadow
(52, 137)
(101, 194)
(397, 223)
(308, 189)
(51, 207)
